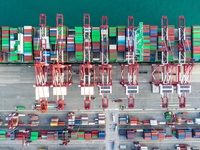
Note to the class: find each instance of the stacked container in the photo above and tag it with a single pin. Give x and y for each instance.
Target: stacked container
(2, 134)
(88, 135)
(101, 119)
(196, 42)
(5, 39)
(122, 132)
(157, 134)
(168, 116)
(183, 134)
(71, 119)
(36, 48)
(54, 121)
(34, 136)
(53, 34)
(62, 41)
(70, 43)
(196, 133)
(95, 39)
(121, 38)
(28, 56)
(81, 135)
(79, 43)
(171, 40)
(130, 134)
(84, 119)
(50, 135)
(188, 43)
(1, 55)
(74, 135)
(134, 121)
(14, 45)
(122, 120)
(94, 134)
(146, 46)
(112, 46)
(146, 122)
(78, 121)
(101, 135)
(153, 42)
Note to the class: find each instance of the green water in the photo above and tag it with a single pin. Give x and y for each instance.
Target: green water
(26, 12)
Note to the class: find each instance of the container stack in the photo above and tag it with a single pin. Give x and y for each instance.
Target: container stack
(101, 135)
(146, 122)
(19, 135)
(78, 121)
(5, 39)
(28, 56)
(196, 42)
(84, 119)
(88, 135)
(188, 43)
(196, 133)
(121, 38)
(36, 48)
(12, 136)
(79, 43)
(134, 121)
(71, 119)
(2, 134)
(130, 134)
(96, 39)
(34, 136)
(34, 117)
(122, 120)
(183, 133)
(146, 46)
(94, 134)
(50, 135)
(168, 116)
(44, 134)
(171, 40)
(101, 119)
(153, 122)
(157, 134)
(112, 45)
(74, 135)
(61, 41)
(34, 123)
(1, 55)
(122, 132)
(54, 121)
(153, 42)
(14, 44)
(81, 135)
(70, 43)
(53, 34)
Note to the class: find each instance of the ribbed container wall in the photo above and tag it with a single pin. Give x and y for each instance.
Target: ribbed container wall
(130, 134)
(94, 134)
(196, 42)
(79, 43)
(188, 43)
(196, 133)
(14, 56)
(5, 39)
(153, 42)
(70, 43)
(146, 46)
(171, 41)
(122, 120)
(1, 55)
(88, 135)
(28, 54)
(81, 135)
(112, 47)
(101, 135)
(36, 48)
(121, 38)
(96, 39)
(156, 134)
(34, 136)
(122, 132)
(2, 134)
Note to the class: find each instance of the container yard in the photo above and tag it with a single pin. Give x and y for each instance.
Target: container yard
(133, 86)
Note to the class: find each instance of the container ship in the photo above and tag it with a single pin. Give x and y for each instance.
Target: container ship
(24, 44)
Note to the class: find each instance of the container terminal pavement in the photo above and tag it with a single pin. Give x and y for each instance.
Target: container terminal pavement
(144, 68)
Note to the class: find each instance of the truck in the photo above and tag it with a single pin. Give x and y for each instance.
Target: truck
(113, 145)
(118, 101)
(19, 108)
(113, 117)
(44, 148)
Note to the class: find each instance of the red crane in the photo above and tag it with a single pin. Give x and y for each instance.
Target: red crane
(87, 70)
(42, 69)
(129, 72)
(185, 67)
(105, 69)
(61, 73)
(163, 74)
(13, 120)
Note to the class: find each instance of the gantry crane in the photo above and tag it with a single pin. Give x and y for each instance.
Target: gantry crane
(65, 139)
(184, 67)
(162, 74)
(129, 72)
(87, 70)
(42, 69)
(61, 73)
(105, 69)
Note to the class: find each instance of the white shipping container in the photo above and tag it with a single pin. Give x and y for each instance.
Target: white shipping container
(114, 46)
(162, 122)
(28, 27)
(101, 122)
(91, 123)
(87, 90)
(101, 114)
(22, 114)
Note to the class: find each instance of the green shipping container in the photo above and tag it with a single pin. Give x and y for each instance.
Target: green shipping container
(20, 107)
(2, 132)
